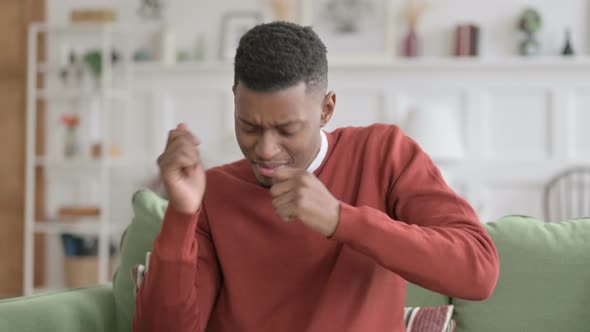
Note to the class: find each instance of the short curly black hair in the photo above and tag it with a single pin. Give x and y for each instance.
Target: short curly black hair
(279, 55)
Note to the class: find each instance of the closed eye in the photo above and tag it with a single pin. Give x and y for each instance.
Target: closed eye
(287, 132)
(249, 128)
(290, 129)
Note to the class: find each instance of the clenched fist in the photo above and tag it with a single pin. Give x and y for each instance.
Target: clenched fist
(181, 170)
(299, 195)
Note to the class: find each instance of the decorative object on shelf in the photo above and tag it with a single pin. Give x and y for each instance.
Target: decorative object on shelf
(183, 56)
(72, 74)
(568, 49)
(113, 152)
(72, 145)
(143, 54)
(166, 45)
(413, 13)
(353, 28)
(199, 54)
(151, 9)
(76, 73)
(93, 59)
(93, 16)
(285, 10)
(233, 26)
(467, 40)
(280, 9)
(530, 23)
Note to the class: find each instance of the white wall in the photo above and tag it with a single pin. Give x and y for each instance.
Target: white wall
(514, 121)
(497, 19)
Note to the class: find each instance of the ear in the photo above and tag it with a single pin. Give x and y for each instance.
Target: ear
(328, 106)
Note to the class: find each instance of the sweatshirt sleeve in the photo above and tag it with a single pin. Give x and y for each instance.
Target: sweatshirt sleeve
(435, 241)
(180, 288)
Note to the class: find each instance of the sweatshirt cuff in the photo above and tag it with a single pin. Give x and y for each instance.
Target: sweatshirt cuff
(177, 234)
(350, 223)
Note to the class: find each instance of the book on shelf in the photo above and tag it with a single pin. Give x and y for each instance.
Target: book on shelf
(467, 37)
(73, 212)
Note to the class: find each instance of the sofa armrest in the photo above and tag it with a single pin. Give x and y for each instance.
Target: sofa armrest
(90, 309)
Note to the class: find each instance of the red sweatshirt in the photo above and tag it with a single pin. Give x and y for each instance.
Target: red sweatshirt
(235, 266)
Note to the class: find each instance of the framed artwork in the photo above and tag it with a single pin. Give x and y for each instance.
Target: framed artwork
(233, 26)
(353, 29)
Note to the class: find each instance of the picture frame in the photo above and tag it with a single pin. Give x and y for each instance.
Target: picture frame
(233, 26)
(354, 29)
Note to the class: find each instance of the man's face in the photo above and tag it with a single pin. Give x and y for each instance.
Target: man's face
(280, 128)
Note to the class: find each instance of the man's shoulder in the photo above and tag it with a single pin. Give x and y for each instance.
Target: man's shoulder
(379, 132)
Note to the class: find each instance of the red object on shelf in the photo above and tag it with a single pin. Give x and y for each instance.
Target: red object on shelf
(70, 121)
(411, 43)
(467, 40)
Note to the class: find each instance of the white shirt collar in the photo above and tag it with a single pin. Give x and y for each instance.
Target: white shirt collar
(319, 158)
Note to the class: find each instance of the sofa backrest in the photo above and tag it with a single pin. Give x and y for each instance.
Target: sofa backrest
(544, 282)
(138, 239)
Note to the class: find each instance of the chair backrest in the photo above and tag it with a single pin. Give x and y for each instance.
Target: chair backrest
(567, 195)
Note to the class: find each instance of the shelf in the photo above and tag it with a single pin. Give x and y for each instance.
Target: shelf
(79, 94)
(109, 93)
(89, 226)
(116, 28)
(372, 64)
(44, 68)
(155, 67)
(88, 163)
(512, 62)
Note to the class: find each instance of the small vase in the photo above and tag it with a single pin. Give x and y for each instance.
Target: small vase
(411, 43)
(568, 49)
(530, 46)
(71, 147)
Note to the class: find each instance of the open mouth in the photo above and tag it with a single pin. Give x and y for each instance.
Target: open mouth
(267, 169)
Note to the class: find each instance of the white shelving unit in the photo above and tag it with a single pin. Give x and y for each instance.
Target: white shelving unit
(101, 167)
(390, 64)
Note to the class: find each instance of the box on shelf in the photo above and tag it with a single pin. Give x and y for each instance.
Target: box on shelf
(113, 151)
(66, 212)
(92, 16)
(82, 271)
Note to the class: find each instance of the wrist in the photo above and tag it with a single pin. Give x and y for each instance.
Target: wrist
(188, 211)
(335, 220)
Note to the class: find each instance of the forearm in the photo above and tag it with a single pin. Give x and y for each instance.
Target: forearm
(167, 299)
(457, 258)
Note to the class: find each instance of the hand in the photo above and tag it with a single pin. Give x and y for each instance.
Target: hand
(181, 170)
(299, 195)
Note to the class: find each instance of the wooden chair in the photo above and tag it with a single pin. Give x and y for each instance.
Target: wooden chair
(567, 195)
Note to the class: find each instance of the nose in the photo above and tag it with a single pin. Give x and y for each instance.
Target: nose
(267, 146)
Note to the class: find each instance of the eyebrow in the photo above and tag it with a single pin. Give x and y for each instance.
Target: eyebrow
(286, 124)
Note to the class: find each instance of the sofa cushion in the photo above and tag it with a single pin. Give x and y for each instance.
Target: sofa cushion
(544, 282)
(148, 210)
(89, 309)
(429, 319)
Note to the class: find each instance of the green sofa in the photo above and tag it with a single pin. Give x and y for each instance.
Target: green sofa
(544, 283)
